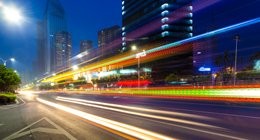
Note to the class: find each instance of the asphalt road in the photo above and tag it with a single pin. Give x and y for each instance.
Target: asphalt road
(101, 117)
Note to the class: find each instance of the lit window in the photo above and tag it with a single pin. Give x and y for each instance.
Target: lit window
(191, 28)
(166, 5)
(165, 33)
(123, 33)
(123, 39)
(123, 2)
(123, 12)
(165, 12)
(123, 28)
(190, 15)
(123, 7)
(123, 49)
(190, 8)
(199, 53)
(165, 19)
(191, 34)
(123, 43)
(165, 26)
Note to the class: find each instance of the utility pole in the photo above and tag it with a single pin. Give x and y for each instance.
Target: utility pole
(237, 38)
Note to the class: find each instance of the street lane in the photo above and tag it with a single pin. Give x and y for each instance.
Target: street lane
(226, 125)
(115, 117)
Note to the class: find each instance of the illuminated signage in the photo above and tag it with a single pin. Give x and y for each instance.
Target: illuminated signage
(204, 69)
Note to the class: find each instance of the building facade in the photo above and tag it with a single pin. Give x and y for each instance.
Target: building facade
(86, 45)
(108, 41)
(152, 23)
(40, 48)
(26, 77)
(61, 50)
(54, 20)
(34, 70)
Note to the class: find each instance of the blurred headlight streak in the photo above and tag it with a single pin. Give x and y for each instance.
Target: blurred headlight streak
(121, 127)
(136, 108)
(147, 115)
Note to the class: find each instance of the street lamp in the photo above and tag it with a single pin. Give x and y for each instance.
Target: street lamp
(138, 55)
(237, 39)
(12, 14)
(12, 59)
(75, 67)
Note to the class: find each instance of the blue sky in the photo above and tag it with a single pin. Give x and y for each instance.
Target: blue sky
(86, 17)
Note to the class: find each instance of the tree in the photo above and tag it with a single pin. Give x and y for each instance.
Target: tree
(171, 77)
(253, 59)
(9, 80)
(226, 62)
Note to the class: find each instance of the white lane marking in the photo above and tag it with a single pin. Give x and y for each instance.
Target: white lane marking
(147, 115)
(17, 101)
(21, 100)
(121, 127)
(58, 130)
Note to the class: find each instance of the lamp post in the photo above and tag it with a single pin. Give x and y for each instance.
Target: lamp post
(138, 55)
(12, 59)
(237, 39)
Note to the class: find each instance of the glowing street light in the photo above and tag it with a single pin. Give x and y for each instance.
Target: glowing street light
(75, 67)
(12, 59)
(138, 55)
(12, 14)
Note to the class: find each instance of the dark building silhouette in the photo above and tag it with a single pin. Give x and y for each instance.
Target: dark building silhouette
(108, 41)
(40, 48)
(34, 70)
(86, 45)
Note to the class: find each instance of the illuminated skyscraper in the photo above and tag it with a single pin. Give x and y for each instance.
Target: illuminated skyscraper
(152, 23)
(54, 20)
(61, 51)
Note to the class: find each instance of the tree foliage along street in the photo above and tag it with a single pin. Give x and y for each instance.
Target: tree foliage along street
(171, 77)
(9, 80)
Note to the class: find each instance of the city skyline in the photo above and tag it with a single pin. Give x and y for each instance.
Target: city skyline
(29, 46)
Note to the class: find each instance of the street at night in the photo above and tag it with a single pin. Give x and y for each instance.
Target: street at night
(120, 117)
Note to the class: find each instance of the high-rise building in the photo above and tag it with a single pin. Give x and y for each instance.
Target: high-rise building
(61, 51)
(205, 50)
(108, 41)
(86, 45)
(54, 20)
(25, 77)
(34, 70)
(40, 48)
(152, 23)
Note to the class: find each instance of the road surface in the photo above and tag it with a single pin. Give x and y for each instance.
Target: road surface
(102, 117)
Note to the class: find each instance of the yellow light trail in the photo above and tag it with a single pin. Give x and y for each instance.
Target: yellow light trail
(121, 127)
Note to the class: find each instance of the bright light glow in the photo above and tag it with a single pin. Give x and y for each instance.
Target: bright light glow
(134, 47)
(53, 74)
(166, 5)
(80, 55)
(165, 19)
(165, 12)
(142, 54)
(121, 127)
(15, 71)
(123, 33)
(52, 84)
(204, 69)
(12, 59)
(75, 67)
(165, 33)
(124, 43)
(165, 26)
(12, 14)
(123, 12)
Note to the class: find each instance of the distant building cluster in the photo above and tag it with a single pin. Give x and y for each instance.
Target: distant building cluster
(146, 24)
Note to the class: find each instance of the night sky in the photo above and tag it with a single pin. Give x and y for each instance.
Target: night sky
(86, 17)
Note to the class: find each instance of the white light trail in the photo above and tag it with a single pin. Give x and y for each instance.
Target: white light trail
(146, 115)
(121, 127)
